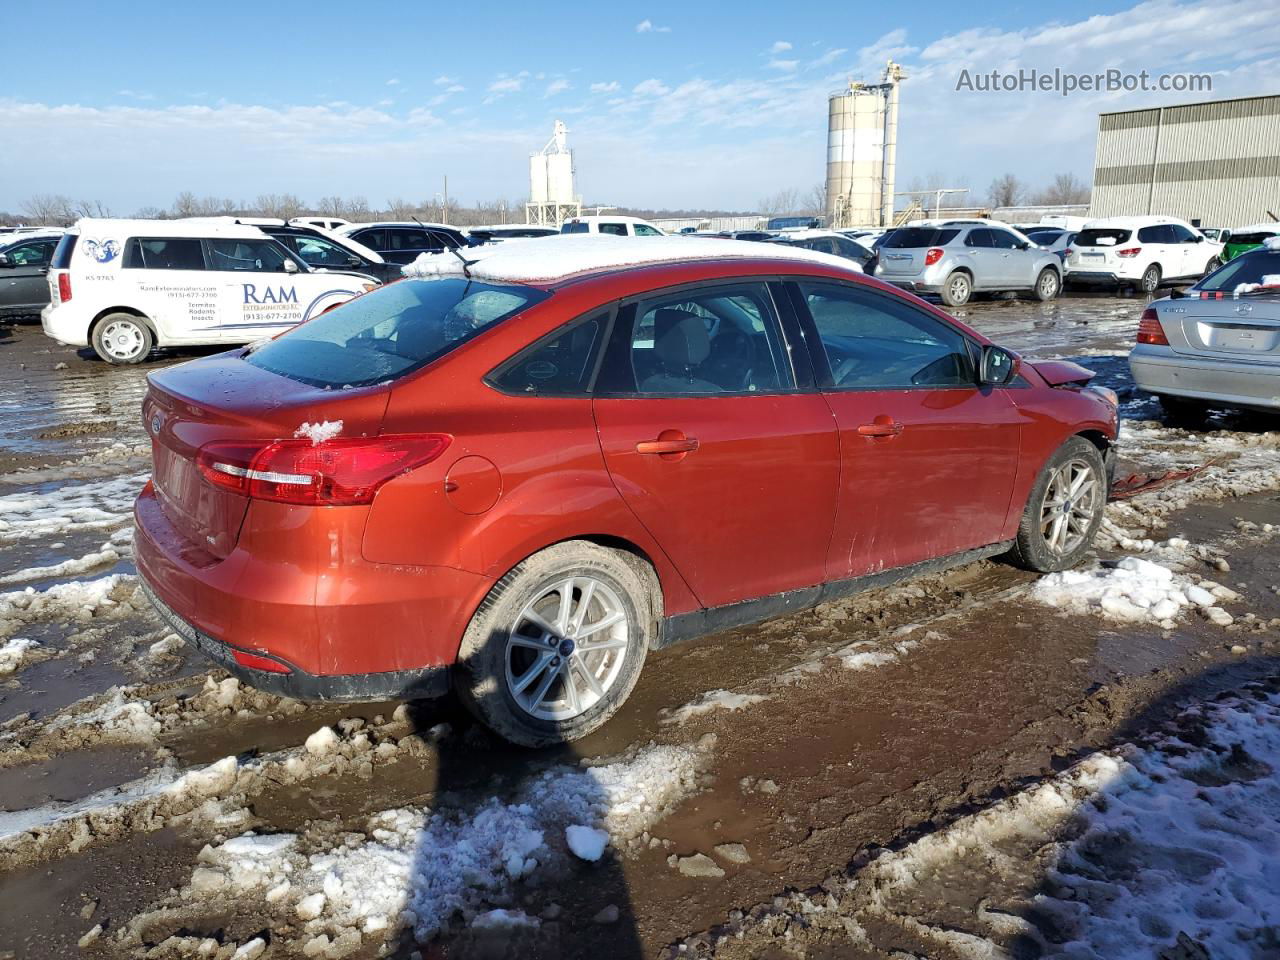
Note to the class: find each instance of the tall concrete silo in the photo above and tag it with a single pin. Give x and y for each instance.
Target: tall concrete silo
(862, 135)
(551, 186)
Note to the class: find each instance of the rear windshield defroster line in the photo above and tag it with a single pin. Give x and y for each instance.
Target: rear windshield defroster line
(391, 331)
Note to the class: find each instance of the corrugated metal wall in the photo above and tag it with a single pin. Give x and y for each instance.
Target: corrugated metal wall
(1216, 162)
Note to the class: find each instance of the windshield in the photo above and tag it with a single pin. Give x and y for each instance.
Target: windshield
(1105, 237)
(920, 237)
(1243, 239)
(1044, 236)
(390, 332)
(1257, 266)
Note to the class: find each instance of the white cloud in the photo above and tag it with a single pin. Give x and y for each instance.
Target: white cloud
(393, 82)
(559, 85)
(455, 88)
(780, 46)
(135, 94)
(506, 84)
(647, 26)
(443, 81)
(653, 87)
(609, 87)
(385, 103)
(831, 56)
(784, 65)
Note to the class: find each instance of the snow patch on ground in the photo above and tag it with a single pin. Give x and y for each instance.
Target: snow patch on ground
(95, 505)
(709, 701)
(319, 433)
(13, 653)
(79, 600)
(90, 561)
(419, 868)
(1135, 590)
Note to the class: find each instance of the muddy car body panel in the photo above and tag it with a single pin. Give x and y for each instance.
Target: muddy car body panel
(687, 414)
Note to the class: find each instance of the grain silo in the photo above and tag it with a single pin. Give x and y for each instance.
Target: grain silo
(862, 137)
(551, 186)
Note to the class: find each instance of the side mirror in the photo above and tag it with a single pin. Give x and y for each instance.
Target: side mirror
(353, 261)
(998, 367)
(4, 260)
(290, 266)
(1199, 238)
(1025, 245)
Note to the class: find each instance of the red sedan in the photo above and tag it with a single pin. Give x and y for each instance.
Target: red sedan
(515, 475)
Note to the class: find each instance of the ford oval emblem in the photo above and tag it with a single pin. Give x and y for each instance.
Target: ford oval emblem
(155, 424)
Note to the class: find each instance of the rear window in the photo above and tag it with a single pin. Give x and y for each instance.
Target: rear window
(390, 332)
(1251, 237)
(574, 228)
(920, 237)
(62, 255)
(1108, 237)
(1251, 267)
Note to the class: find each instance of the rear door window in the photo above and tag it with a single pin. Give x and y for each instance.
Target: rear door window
(33, 254)
(721, 340)
(614, 229)
(980, 238)
(391, 331)
(164, 253)
(878, 342)
(374, 239)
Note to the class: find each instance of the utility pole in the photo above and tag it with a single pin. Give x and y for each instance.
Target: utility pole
(444, 212)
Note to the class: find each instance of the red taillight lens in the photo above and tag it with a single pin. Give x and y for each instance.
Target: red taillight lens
(1149, 329)
(339, 472)
(64, 287)
(1128, 252)
(255, 662)
(1067, 252)
(932, 256)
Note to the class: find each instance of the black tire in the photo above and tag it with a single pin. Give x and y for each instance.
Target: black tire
(1032, 550)
(1150, 281)
(1048, 285)
(957, 289)
(483, 677)
(1211, 266)
(123, 338)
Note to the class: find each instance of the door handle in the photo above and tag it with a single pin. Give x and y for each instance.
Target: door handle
(881, 426)
(661, 447)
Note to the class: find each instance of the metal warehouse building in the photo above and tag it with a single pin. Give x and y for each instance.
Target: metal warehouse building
(1216, 162)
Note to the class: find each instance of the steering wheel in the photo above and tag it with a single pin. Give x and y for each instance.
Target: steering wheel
(731, 352)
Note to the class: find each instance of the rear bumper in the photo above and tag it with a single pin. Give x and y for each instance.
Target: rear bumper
(1161, 371)
(1095, 278)
(915, 286)
(295, 592)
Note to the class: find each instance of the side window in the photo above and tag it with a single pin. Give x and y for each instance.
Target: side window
(1004, 240)
(644, 230)
(556, 366)
(246, 256)
(164, 253)
(980, 238)
(30, 254)
(1182, 234)
(721, 340)
(374, 239)
(614, 229)
(877, 342)
(409, 238)
(1160, 233)
(319, 252)
(1148, 235)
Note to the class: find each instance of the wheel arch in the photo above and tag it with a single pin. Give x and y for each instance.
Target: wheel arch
(132, 311)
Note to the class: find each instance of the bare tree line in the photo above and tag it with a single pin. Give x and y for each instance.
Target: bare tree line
(1009, 191)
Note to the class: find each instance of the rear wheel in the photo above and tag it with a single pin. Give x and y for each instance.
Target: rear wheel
(957, 289)
(557, 646)
(122, 338)
(1150, 281)
(1211, 266)
(1064, 510)
(1048, 284)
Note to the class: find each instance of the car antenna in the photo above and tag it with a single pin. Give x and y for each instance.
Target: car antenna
(466, 264)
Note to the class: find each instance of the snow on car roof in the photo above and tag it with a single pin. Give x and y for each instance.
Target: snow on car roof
(1272, 228)
(212, 227)
(1136, 221)
(545, 259)
(353, 227)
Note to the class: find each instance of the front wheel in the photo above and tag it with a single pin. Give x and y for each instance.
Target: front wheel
(1211, 266)
(1150, 281)
(1064, 510)
(557, 646)
(122, 338)
(1048, 285)
(957, 289)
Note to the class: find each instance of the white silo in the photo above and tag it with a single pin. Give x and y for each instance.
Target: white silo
(551, 188)
(861, 148)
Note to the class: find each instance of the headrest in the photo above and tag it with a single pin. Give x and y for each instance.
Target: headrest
(680, 338)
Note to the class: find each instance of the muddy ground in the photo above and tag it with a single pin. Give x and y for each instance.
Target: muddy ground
(811, 741)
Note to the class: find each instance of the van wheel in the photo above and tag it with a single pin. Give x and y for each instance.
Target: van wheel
(957, 289)
(122, 338)
(1064, 510)
(1150, 281)
(1048, 286)
(557, 646)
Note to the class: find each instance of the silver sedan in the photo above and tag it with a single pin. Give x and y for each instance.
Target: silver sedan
(1218, 343)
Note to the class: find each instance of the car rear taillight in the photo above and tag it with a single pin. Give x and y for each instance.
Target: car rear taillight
(64, 287)
(255, 662)
(1149, 329)
(338, 472)
(1128, 252)
(932, 256)
(1067, 252)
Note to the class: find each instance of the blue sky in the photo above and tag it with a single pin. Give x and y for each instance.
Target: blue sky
(694, 104)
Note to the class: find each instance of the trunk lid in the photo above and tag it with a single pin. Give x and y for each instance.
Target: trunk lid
(898, 262)
(225, 399)
(1244, 328)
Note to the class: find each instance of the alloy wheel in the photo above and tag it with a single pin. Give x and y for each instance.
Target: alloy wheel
(1072, 499)
(566, 648)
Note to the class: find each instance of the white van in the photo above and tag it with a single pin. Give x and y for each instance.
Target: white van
(616, 226)
(126, 286)
(1140, 252)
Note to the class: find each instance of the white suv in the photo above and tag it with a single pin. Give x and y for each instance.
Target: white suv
(615, 226)
(1139, 252)
(126, 286)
